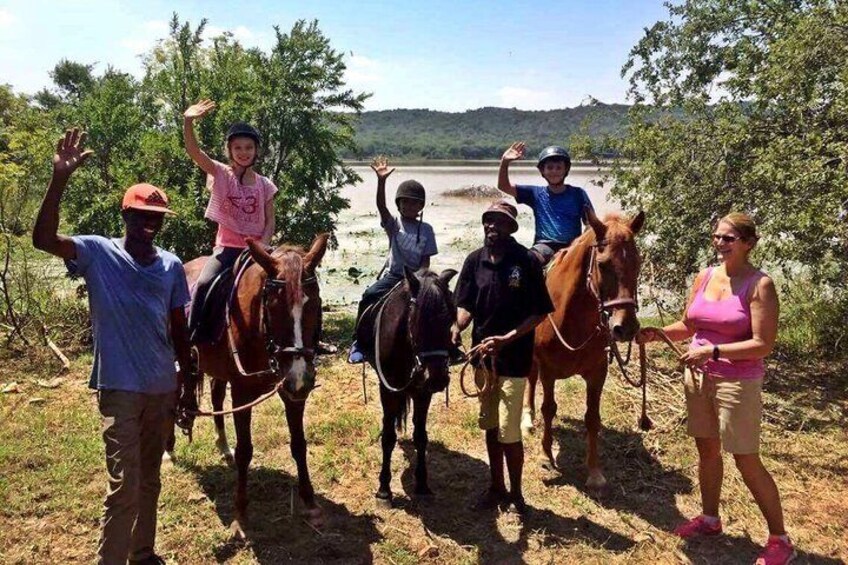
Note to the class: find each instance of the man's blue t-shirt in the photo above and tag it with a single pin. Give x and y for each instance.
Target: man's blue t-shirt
(130, 314)
(558, 216)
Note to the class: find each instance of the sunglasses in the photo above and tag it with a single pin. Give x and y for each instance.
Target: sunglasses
(717, 237)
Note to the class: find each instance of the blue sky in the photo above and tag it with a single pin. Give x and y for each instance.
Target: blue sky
(443, 55)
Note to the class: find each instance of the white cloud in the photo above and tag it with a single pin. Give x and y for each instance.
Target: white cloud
(242, 34)
(145, 36)
(525, 98)
(7, 19)
(362, 72)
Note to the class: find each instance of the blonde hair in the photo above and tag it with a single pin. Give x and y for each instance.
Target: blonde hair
(743, 224)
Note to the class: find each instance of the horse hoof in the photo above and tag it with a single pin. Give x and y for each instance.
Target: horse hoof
(384, 500)
(237, 530)
(314, 517)
(597, 486)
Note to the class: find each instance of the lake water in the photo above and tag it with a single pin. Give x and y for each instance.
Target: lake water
(363, 245)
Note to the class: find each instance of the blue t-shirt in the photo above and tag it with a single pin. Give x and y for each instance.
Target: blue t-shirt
(130, 314)
(558, 216)
(410, 241)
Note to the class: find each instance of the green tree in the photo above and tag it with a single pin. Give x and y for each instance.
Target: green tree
(759, 89)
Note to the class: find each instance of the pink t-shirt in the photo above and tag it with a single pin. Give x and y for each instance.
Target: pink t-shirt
(239, 209)
(725, 321)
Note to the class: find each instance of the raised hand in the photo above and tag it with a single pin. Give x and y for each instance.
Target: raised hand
(69, 153)
(199, 110)
(380, 165)
(514, 152)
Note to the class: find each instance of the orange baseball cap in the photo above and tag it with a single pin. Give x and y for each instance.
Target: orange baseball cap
(146, 197)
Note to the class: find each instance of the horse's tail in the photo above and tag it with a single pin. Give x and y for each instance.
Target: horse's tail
(400, 421)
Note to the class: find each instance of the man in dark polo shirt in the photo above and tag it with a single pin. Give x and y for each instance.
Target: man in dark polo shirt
(502, 290)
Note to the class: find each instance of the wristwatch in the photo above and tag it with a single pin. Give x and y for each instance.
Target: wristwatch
(715, 352)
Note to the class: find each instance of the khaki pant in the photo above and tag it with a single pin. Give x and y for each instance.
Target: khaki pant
(135, 428)
(501, 408)
(728, 409)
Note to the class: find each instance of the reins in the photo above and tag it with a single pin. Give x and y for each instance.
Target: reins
(491, 377)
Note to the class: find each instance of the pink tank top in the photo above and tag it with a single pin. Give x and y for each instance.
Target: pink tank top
(725, 321)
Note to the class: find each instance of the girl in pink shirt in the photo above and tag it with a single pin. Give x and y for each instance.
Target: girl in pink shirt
(241, 202)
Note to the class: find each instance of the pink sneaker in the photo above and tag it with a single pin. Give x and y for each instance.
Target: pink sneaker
(698, 526)
(776, 552)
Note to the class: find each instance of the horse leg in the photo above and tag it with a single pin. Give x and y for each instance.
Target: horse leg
(594, 387)
(528, 412)
(549, 408)
(421, 405)
(243, 456)
(170, 443)
(219, 391)
(392, 408)
(294, 418)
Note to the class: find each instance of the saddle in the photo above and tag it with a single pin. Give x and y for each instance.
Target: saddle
(366, 327)
(212, 319)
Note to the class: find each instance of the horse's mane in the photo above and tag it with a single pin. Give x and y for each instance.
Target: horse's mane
(431, 296)
(291, 257)
(617, 227)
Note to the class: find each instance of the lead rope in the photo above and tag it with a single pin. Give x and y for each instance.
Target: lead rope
(491, 377)
(645, 422)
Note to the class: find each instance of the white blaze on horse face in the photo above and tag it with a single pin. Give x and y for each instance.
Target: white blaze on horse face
(298, 366)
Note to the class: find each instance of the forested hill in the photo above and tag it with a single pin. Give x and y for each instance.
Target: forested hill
(483, 133)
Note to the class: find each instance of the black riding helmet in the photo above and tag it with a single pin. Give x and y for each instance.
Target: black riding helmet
(554, 152)
(241, 129)
(411, 189)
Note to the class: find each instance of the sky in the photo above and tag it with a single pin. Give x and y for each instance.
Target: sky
(442, 55)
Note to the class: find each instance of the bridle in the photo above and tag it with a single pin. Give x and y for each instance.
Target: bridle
(605, 307)
(272, 346)
(419, 356)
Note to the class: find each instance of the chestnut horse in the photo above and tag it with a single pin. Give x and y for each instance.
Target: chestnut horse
(593, 286)
(406, 334)
(268, 345)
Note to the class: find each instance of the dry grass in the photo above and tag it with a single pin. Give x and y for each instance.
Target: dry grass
(52, 481)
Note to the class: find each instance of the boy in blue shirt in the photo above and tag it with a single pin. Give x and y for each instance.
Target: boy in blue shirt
(558, 207)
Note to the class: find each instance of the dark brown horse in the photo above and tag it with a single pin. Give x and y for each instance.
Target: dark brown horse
(593, 286)
(269, 341)
(407, 334)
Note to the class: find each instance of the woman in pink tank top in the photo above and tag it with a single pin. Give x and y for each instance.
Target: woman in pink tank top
(731, 316)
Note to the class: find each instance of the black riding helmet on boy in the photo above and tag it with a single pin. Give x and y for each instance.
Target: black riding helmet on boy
(555, 153)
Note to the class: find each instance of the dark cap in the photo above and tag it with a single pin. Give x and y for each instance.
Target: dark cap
(505, 208)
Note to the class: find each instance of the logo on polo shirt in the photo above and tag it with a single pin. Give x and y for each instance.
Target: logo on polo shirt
(514, 280)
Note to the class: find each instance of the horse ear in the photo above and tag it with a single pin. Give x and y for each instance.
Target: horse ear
(261, 256)
(412, 282)
(597, 225)
(316, 252)
(638, 222)
(446, 275)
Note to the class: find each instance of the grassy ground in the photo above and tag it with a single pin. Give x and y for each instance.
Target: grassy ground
(52, 479)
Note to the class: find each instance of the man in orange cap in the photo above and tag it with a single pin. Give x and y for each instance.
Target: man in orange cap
(137, 294)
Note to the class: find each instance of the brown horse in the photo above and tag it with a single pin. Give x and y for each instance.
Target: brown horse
(406, 335)
(268, 345)
(593, 285)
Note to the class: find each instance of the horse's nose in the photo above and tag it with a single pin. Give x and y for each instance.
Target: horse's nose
(618, 332)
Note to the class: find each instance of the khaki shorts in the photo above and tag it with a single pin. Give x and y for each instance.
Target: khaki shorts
(501, 408)
(728, 409)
